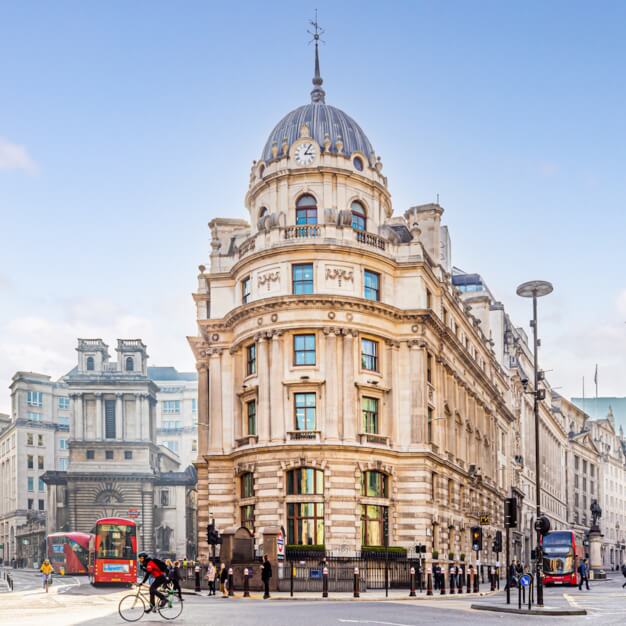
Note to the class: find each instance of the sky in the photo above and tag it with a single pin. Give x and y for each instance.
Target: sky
(125, 127)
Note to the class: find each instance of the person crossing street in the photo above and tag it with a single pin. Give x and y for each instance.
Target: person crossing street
(583, 570)
(266, 574)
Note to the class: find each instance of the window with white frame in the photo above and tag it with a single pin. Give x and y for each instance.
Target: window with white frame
(170, 407)
(63, 445)
(34, 398)
(64, 403)
(33, 416)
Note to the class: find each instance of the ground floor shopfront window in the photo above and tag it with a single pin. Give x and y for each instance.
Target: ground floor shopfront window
(305, 523)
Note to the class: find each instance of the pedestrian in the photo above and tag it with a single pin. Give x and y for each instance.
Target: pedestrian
(511, 578)
(210, 576)
(624, 574)
(519, 570)
(266, 574)
(173, 574)
(224, 580)
(583, 570)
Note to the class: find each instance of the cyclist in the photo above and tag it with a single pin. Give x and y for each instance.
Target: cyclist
(158, 570)
(46, 570)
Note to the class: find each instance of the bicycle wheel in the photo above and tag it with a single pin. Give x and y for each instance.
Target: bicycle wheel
(173, 608)
(131, 607)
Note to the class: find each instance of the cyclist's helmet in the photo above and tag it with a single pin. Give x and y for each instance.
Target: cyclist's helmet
(142, 555)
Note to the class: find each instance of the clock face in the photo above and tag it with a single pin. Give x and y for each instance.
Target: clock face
(305, 153)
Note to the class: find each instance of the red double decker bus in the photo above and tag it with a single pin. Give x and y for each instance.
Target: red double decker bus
(562, 554)
(113, 551)
(68, 553)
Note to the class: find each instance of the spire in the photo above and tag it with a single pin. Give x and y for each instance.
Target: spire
(318, 94)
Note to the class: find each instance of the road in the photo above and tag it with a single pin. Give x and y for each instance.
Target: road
(73, 601)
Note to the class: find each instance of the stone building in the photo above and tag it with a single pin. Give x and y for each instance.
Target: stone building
(33, 440)
(612, 485)
(116, 467)
(177, 411)
(345, 390)
(512, 351)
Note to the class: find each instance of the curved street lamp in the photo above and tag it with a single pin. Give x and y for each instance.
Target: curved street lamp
(536, 289)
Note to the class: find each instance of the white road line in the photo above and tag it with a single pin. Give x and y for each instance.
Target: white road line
(367, 621)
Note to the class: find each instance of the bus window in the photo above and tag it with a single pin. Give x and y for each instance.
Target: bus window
(115, 541)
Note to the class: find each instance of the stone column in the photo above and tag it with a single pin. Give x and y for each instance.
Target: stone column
(238, 364)
(119, 420)
(203, 408)
(78, 431)
(390, 426)
(263, 405)
(349, 410)
(215, 400)
(417, 366)
(277, 419)
(138, 427)
(331, 426)
(99, 419)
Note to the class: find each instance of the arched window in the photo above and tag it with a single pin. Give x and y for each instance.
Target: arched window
(263, 212)
(130, 364)
(359, 219)
(306, 210)
(91, 366)
(374, 484)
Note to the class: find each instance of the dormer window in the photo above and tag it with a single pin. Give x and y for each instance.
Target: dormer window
(306, 210)
(359, 218)
(91, 364)
(358, 164)
(130, 364)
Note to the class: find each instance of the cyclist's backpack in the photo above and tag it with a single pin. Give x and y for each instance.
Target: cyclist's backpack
(161, 566)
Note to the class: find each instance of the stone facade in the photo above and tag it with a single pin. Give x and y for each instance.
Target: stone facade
(33, 440)
(344, 387)
(116, 467)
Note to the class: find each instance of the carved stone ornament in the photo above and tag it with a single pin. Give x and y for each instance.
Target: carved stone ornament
(259, 321)
(268, 278)
(274, 317)
(331, 315)
(339, 274)
(215, 337)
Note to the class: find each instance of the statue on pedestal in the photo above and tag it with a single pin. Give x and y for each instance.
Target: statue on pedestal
(596, 514)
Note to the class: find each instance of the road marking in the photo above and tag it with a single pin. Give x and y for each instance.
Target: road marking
(367, 621)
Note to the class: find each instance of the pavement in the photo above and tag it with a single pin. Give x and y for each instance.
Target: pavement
(72, 601)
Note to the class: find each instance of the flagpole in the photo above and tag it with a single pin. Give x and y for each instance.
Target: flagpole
(583, 393)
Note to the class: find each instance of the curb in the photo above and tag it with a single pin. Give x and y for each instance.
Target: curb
(364, 598)
(544, 612)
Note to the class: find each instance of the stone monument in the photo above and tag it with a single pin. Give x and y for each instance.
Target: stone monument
(595, 543)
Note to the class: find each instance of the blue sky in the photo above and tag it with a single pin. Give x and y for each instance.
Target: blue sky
(126, 127)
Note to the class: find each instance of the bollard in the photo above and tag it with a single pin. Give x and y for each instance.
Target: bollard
(452, 580)
(246, 583)
(519, 596)
(429, 582)
(231, 591)
(325, 582)
(493, 578)
(197, 572)
(530, 593)
(476, 576)
(459, 579)
(356, 583)
(469, 580)
(412, 592)
(292, 567)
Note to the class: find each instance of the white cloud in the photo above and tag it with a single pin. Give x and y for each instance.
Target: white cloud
(15, 157)
(621, 303)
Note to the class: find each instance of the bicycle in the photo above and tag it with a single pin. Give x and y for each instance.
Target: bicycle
(133, 606)
(47, 581)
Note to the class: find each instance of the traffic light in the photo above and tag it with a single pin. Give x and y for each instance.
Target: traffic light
(477, 538)
(497, 542)
(542, 525)
(510, 512)
(213, 536)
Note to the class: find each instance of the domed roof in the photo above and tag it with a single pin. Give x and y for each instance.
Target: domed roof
(323, 120)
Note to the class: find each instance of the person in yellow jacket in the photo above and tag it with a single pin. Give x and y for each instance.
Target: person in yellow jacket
(46, 570)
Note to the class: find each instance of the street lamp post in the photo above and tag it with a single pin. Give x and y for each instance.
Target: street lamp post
(536, 289)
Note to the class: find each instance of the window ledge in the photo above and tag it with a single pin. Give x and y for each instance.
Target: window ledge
(368, 438)
(248, 440)
(299, 435)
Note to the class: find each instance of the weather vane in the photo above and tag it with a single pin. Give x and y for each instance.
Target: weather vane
(317, 30)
